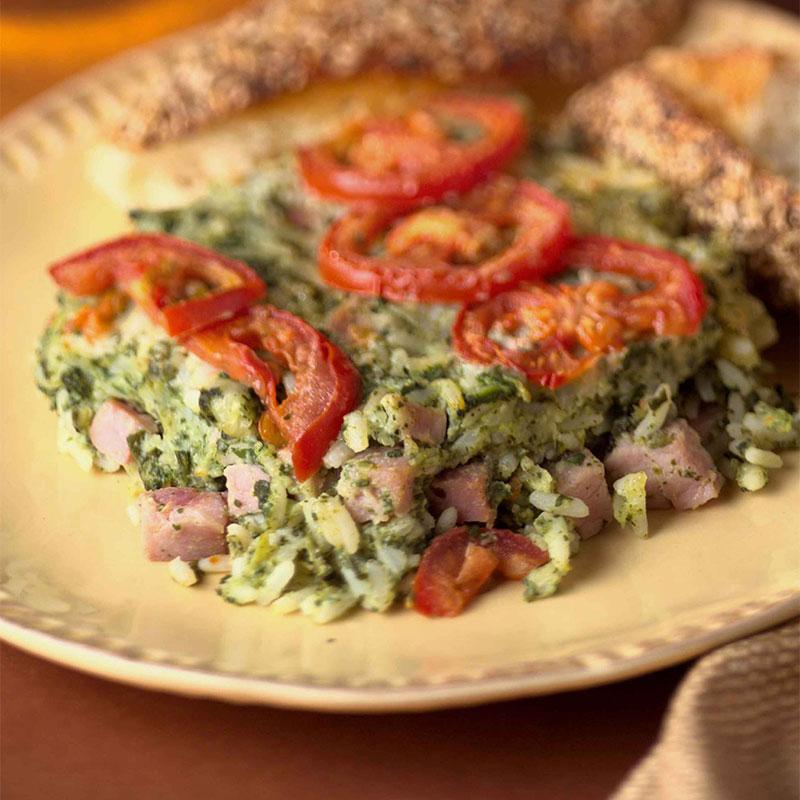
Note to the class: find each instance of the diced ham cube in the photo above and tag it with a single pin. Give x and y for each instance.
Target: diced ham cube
(467, 490)
(183, 523)
(681, 473)
(113, 423)
(583, 476)
(426, 425)
(377, 484)
(240, 481)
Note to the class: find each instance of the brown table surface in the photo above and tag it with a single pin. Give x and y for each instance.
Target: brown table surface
(70, 736)
(67, 735)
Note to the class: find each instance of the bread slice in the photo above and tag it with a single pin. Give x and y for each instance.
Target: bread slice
(274, 47)
(669, 125)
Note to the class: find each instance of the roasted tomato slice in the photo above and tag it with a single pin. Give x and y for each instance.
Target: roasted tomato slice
(553, 332)
(467, 250)
(516, 554)
(452, 571)
(180, 285)
(676, 302)
(256, 347)
(456, 566)
(449, 144)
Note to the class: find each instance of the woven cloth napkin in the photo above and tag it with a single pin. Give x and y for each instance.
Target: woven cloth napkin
(732, 730)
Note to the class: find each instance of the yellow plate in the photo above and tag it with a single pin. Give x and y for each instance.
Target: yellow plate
(75, 588)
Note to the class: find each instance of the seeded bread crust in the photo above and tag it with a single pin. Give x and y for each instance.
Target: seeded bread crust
(634, 115)
(276, 46)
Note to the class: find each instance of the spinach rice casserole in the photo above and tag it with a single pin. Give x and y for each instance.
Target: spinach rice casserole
(475, 428)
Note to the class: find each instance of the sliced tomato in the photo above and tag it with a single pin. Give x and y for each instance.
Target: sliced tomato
(456, 566)
(89, 272)
(452, 571)
(536, 331)
(676, 303)
(552, 333)
(256, 347)
(516, 554)
(467, 250)
(182, 286)
(449, 144)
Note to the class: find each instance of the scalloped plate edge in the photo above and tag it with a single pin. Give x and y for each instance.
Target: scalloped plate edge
(718, 630)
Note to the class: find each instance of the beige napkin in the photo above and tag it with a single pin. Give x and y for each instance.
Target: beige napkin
(732, 731)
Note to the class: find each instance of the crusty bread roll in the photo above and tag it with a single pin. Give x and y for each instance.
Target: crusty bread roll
(210, 108)
(272, 47)
(667, 115)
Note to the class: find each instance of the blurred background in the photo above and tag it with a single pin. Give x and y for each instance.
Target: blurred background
(44, 41)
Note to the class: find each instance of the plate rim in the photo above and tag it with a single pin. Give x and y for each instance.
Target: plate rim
(94, 94)
(611, 665)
